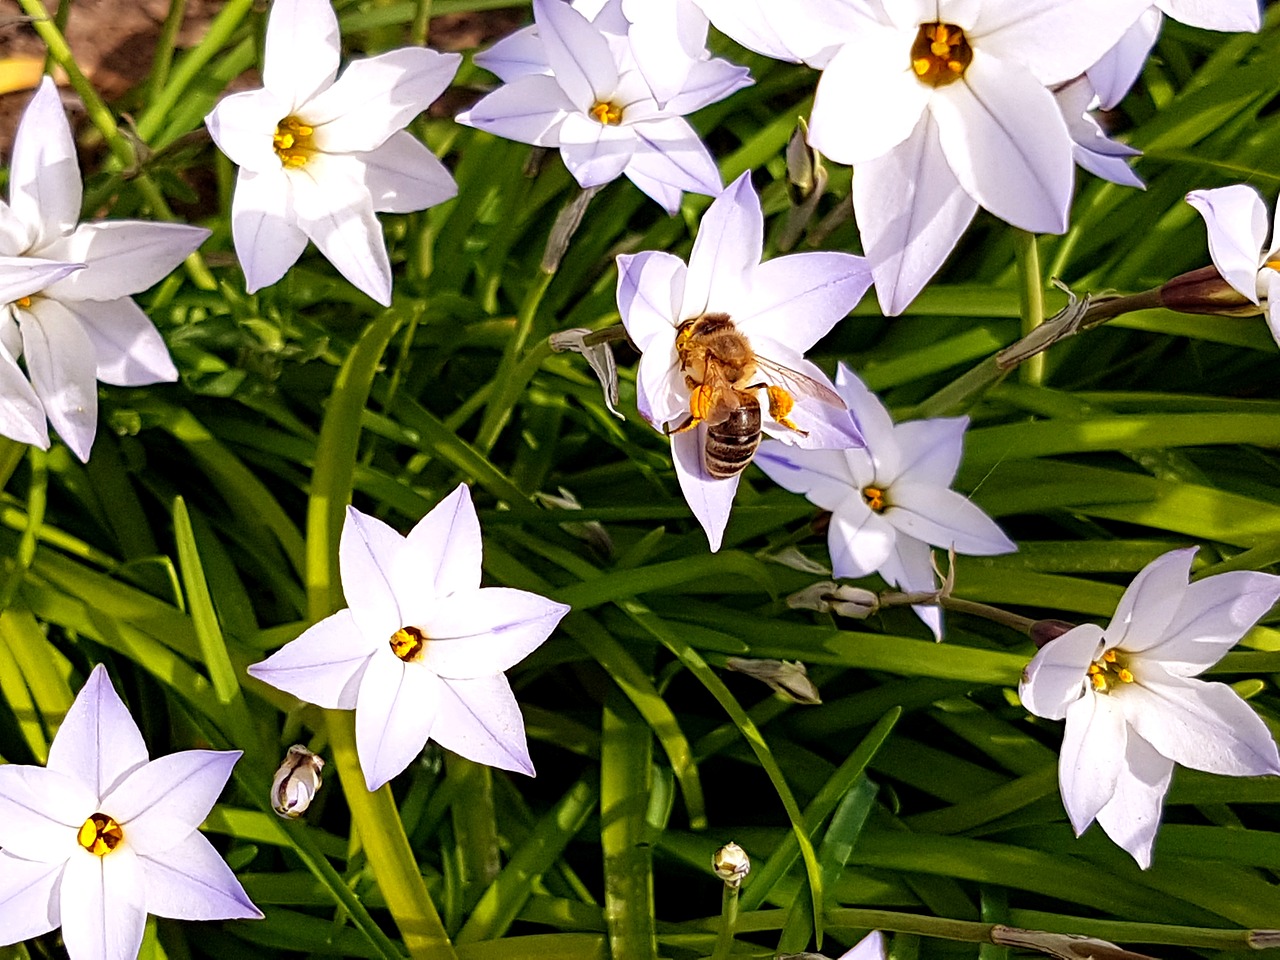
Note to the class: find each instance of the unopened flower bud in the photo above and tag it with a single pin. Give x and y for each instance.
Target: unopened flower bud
(805, 172)
(827, 596)
(731, 864)
(1206, 291)
(1042, 631)
(788, 678)
(296, 782)
(599, 357)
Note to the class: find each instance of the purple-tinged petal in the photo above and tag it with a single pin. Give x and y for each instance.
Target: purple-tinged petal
(128, 348)
(44, 175)
(860, 540)
(243, 125)
(41, 810)
(822, 476)
(1091, 148)
(21, 413)
(909, 568)
(1057, 676)
(668, 150)
(480, 720)
(577, 51)
(595, 153)
(650, 289)
(102, 905)
(397, 709)
(820, 417)
(930, 450)
(369, 556)
(1092, 757)
(874, 423)
(122, 257)
(487, 631)
(1131, 816)
(302, 50)
(728, 247)
(1237, 223)
(1214, 614)
(29, 896)
(800, 297)
(442, 554)
(98, 742)
(666, 38)
(162, 802)
(660, 192)
(709, 498)
(1117, 69)
(264, 227)
(708, 81)
(1150, 601)
(1232, 16)
(324, 665)
(870, 947)
(191, 882)
(517, 55)
(802, 30)
(1204, 726)
(911, 210)
(62, 367)
(528, 110)
(1270, 279)
(945, 519)
(23, 276)
(403, 175)
(377, 96)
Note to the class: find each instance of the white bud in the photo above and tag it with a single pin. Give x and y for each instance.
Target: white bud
(731, 864)
(830, 597)
(296, 782)
(788, 678)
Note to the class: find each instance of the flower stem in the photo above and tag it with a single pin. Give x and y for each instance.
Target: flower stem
(994, 614)
(728, 920)
(1032, 297)
(421, 24)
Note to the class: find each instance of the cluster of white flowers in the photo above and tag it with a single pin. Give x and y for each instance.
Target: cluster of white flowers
(940, 106)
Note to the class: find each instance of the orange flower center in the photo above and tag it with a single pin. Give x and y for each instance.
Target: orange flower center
(608, 113)
(1108, 671)
(940, 54)
(876, 498)
(409, 643)
(100, 834)
(292, 142)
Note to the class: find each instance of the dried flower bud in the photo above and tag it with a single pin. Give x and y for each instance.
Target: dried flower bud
(826, 596)
(296, 782)
(1043, 631)
(1205, 291)
(1264, 939)
(1066, 946)
(599, 357)
(731, 864)
(788, 678)
(590, 532)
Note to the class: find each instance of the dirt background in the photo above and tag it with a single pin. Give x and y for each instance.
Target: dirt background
(114, 42)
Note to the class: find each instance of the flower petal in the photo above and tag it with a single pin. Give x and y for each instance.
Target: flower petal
(727, 248)
(1132, 815)
(1092, 757)
(62, 365)
(1214, 614)
(102, 906)
(873, 421)
(443, 552)
(21, 414)
(931, 449)
(98, 742)
(528, 110)
(666, 38)
(1006, 141)
(403, 175)
(128, 348)
(396, 712)
(595, 153)
(870, 947)
(577, 51)
(23, 276)
(41, 810)
(799, 298)
(243, 125)
(860, 540)
(264, 227)
(1232, 16)
(516, 55)
(44, 176)
(480, 720)
(1236, 219)
(369, 557)
(1056, 676)
(659, 191)
(191, 882)
(324, 665)
(1271, 283)
(911, 210)
(708, 81)
(1116, 70)
(29, 895)
(302, 50)
(945, 519)
(909, 567)
(802, 30)
(162, 802)
(1204, 726)
(377, 96)
(1150, 601)
(668, 150)
(710, 499)
(820, 475)
(487, 631)
(122, 257)
(335, 210)
(650, 290)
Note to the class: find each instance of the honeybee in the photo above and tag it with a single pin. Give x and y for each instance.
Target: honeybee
(723, 376)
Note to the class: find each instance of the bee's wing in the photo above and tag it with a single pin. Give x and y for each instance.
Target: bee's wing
(724, 397)
(799, 383)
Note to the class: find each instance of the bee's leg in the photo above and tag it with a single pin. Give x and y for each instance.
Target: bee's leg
(781, 404)
(699, 406)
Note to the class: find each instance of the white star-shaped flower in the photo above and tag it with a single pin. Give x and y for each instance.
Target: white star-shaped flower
(1116, 71)
(574, 83)
(1236, 219)
(420, 651)
(1132, 702)
(103, 836)
(892, 500)
(319, 157)
(775, 311)
(942, 106)
(65, 287)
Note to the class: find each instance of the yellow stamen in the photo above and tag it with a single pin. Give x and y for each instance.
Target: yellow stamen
(940, 54)
(876, 498)
(24, 302)
(1104, 673)
(607, 113)
(1273, 264)
(409, 643)
(100, 834)
(292, 142)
